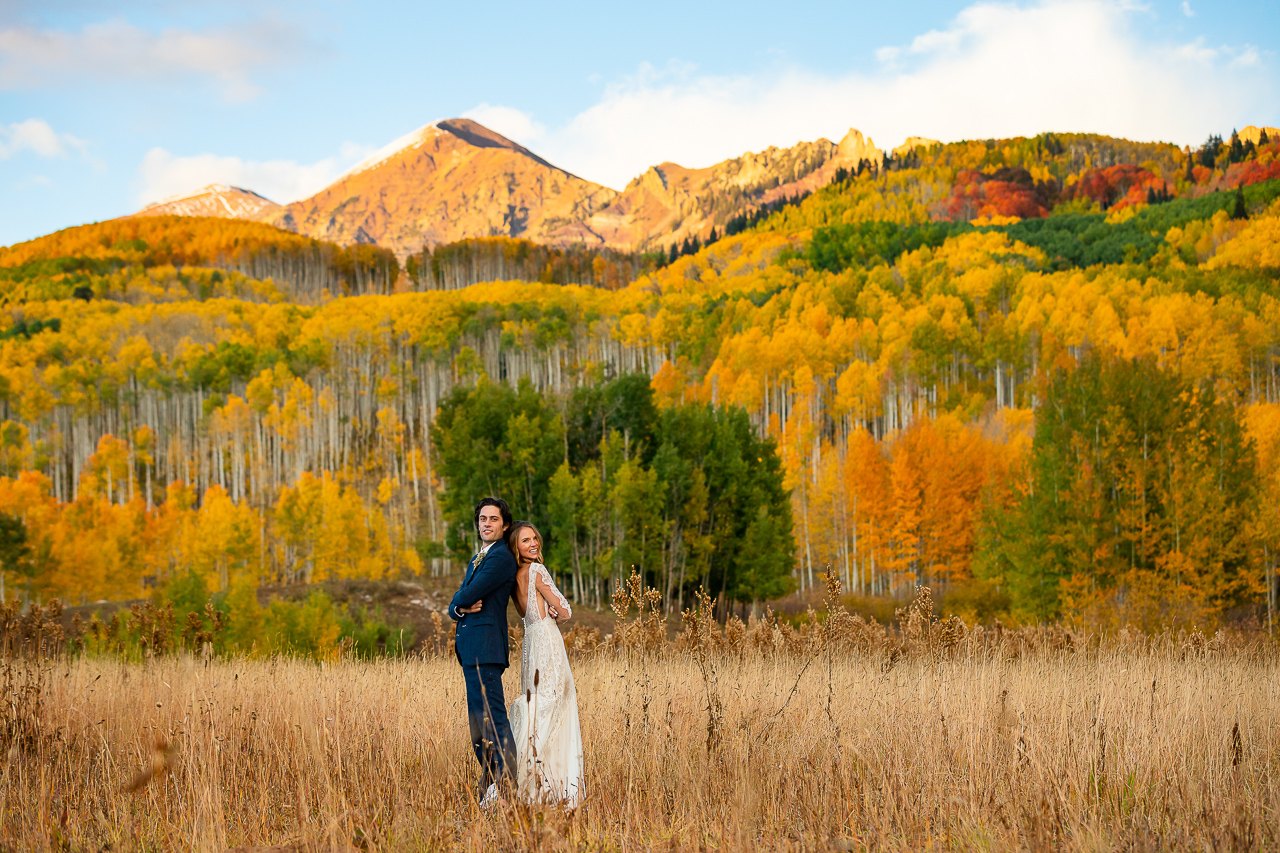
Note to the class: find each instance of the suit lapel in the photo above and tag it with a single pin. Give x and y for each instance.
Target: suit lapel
(476, 562)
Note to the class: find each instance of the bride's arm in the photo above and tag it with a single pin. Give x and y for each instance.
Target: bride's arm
(551, 594)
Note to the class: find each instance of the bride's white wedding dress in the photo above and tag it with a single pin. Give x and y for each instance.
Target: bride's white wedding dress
(544, 718)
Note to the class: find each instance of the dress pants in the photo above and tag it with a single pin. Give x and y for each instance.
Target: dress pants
(491, 737)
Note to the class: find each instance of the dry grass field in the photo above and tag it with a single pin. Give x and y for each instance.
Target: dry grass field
(842, 737)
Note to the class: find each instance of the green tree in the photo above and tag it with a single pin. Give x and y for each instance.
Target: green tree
(743, 476)
(1239, 211)
(15, 550)
(495, 440)
(624, 404)
(1139, 500)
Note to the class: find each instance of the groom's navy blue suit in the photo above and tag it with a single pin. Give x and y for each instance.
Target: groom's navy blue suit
(481, 642)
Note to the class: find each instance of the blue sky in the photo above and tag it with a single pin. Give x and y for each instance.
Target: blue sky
(107, 106)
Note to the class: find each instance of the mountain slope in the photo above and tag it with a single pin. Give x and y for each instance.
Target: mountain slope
(220, 200)
(444, 182)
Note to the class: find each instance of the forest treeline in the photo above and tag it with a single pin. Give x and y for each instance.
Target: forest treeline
(180, 258)
(453, 266)
(902, 362)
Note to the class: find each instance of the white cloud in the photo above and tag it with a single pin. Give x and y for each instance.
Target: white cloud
(161, 174)
(35, 58)
(998, 70)
(37, 136)
(1186, 9)
(1197, 52)
(1246, 57)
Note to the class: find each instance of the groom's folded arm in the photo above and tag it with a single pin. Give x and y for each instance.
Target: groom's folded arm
(491, 575)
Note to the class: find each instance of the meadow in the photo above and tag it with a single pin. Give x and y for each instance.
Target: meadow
(835, 735)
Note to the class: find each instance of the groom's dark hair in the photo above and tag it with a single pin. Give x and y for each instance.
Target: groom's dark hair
(502, 508)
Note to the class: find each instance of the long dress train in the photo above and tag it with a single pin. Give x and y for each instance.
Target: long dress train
(544, 717)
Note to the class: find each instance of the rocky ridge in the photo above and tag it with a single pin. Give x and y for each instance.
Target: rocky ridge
(670, 203)
(1253, 134)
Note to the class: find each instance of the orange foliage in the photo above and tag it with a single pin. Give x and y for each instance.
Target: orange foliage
(904, 511)
(1115, 186)
(1005, 193)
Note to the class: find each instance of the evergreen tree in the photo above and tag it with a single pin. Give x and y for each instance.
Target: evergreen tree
(1240, 212)
(1209, 151)
(15, 549)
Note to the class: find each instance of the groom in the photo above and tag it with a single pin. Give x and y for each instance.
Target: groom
(480, 609)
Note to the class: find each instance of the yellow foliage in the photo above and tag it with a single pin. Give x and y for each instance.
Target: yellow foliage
(1256, 245)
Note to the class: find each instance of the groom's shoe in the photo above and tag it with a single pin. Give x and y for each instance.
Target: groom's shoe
(491, 797)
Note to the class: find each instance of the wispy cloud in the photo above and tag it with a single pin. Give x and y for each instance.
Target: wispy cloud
(32, 58)
(162, 174)
(35, 135)
(998, 69)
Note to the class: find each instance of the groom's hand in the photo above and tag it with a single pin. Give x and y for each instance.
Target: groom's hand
(475, 608)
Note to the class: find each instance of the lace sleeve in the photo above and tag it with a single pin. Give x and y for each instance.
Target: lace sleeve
(548, 588)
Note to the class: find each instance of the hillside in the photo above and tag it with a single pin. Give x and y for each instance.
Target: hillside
(142, 259)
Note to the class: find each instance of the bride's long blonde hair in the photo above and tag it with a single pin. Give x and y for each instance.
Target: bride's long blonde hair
(513, 540)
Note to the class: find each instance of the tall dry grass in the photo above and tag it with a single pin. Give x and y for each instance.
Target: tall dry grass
(750, 737)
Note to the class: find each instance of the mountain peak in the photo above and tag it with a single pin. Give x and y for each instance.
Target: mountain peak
(471, 132)
(854, 147)
(482, 137)
(220, 200)
(447, 180)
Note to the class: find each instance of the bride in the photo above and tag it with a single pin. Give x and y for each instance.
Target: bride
(544, 718)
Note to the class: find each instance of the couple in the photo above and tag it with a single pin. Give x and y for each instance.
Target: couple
(544, 755)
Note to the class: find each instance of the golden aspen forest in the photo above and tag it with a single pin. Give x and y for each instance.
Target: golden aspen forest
(935, 508)
(221, 399)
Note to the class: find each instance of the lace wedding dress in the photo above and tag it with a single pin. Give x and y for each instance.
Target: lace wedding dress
(544, 717)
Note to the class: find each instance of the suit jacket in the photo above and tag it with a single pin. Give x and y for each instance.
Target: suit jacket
(482, 638)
